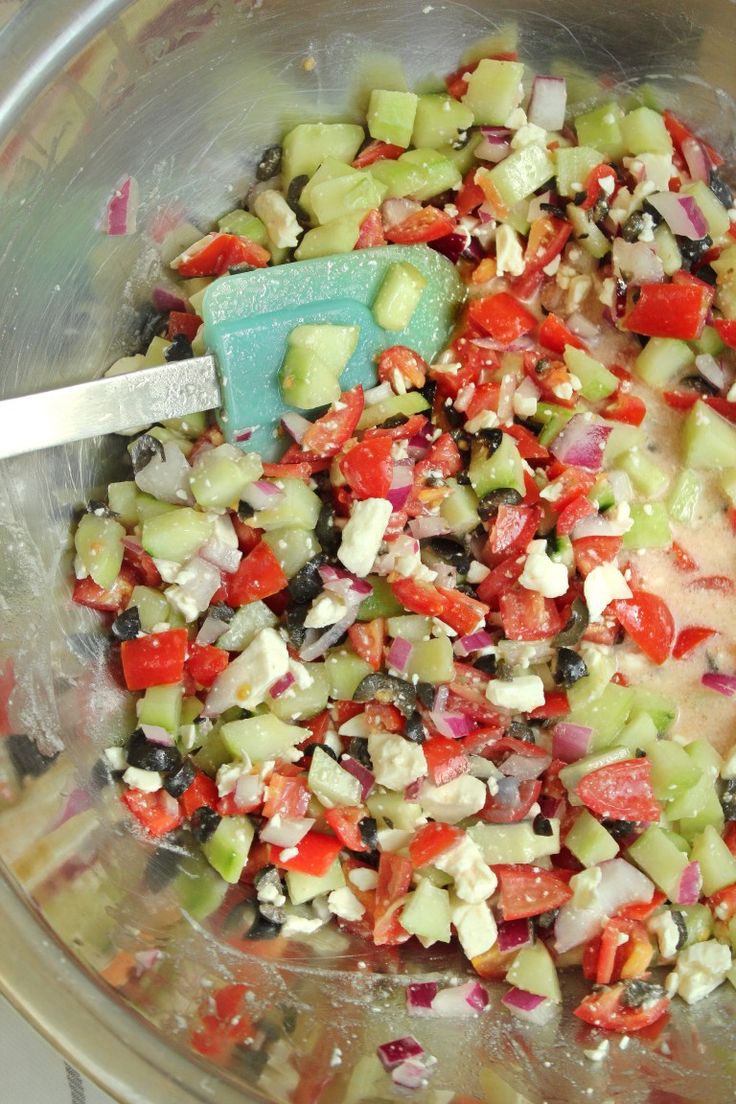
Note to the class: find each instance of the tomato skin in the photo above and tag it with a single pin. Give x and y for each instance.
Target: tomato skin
(371, 232)
(182, 322)
(527, 615)
(368, 639)
(574, 512)
(513, 529)
(547, 237)
(158, 812)
(86, 592)
(501, 316)
(330, 432)
(555, 335)
(446, 759)
(316, 854)
(220, 253)
(205, 662)
(629, 409)
(344, 822)
(526, 890)
(604, 1009)
(431, 840)
(590, 552)
(670, 310)
(647, 619)
(368, 468)
(203, 791)
(426, 225)
(258, 576)
(621, 791)
(155, 659)
(377, 151)
(689, 639)
(411, 367)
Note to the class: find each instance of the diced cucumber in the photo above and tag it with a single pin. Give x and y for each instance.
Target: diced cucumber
(710, 814)
(339, 235)
(191, 708)
(245, 225)
(601, 129)
(685, 496)
(432, 660)
(709, 441)
(534, 971)
(199, 890)
(149, 507)
(673, 771)
(176, 535)
(601, 669)
(399, 295)
(463, 159)
(589, 841)
(572, 774)
(603, 496)
(666, 248)
(460, 508)
(226, 850)
(693, 801)
(714, 212)
(519, 174)
(221, 474)
(305, 887)
(563, 552)
(494, 90)
(410, 626)
(663, 359)
(153, 608)
(725, 267)
(413, 402)
(390, 116)
(717, 864)
(659, 858)
(309, 144)
(698, 922)
(646, 477)
(574, 165)
(440, 172)
(438, 121)
(213, 752)
(606, 715)
(331, 783)
(245, 625)
(644, 131)
(401, 178)
(709, 342)
(640, 732)
(155, 353)
(190, 425)
(292, 548)
(343, 195)
(345, 670)
(502, 468)
(381, 602)
(427, 913)
(622, 438)
(315, 357)
(651, 528)
(514, 843)
(589, 236)
(391, 810)
(554, 417)
(122, 499)
(99, 545)
(261, 737)
(658, 707)
(298, 508)
(597, 381)
(161, 706)
(303, 702)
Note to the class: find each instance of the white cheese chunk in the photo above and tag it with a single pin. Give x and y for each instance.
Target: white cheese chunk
(701, 969)
(542, 574)
(474, 879)
(396, 762)
(362, 536)
(477, 572)
(144, 780)
(584, 887)
(280, 221)
(667, 933)
(326, 609)
(344, 903)
(519, 695)
(363, 878)
(604, 584)
(509, 253)
(248, 679)
(115, 758)
(475, 927)
(452, 802)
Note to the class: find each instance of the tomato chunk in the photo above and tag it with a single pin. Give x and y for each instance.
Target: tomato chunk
(158, 812)
(368, 639)
(205, 662)
(425, 225)
(431, 840)
(648, 621)
(501, 316)
(113, 599)
(330, 432)
(258, 575)
(621, 791)
(221, 252)
(154, 660)
(689, 639)
(400, 359)
(526, 890)
(315, 855)
(527, 615)
(605, 1009)
(670, 310)
(368, 468)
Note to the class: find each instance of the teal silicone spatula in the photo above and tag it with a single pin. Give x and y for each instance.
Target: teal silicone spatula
(248, 318)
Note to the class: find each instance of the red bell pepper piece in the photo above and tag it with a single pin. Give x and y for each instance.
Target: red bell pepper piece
(621, 791)
(425, 225)
(679, 133)
(330, 432)
(445, 759)
(258, 575)
(642, 910)
(419, 597)
(205, 662)
(629, 409)
(501, 316)
(527, 444)
(683, 560)
(670, 310)
(415, 424)
(500, 579)
(590, 552)
(377, 151)
(219, 253)
(248, 537)
(369, 468)
(556, 704)
(182, 322)
(461, 612)
(202, 791)
(689, 639)
(432, 840)
(344, 822)
(158, 812)
(112, 599)
(154, 660)
(315, 855)
(555, 335)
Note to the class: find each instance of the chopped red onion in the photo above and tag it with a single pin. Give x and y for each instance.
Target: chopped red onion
(296, 425)
(430, 526)
(394, 211)
(496, 132)
(621, 884)
(473, 642)
(441, 695)
(248, 790)
(637, 261)
(722, 684)
(282, 685)
(697, 159)
(78, 801)
(492, 149)
(712, 370)
(165, 300)
(412, 1074)
(398, 1050)
(315, 648)
(594, 525)
(460, 1001)
(413, 790)
(582, 326)
(452, 245)
(378, 394)
(262, 494)
(402, 481)
(681, 213)
(398, 654)
(146, 960)
(419, 997)
(529, 1006)
(515, 934)
(157, 735)
(690, 885)
(570, 741)
(221, 555)
(506, 398)
(121, 208)
(244, 434)
(548, 102)
(286, 831)
(211, 630)
(167, 479)
(581, 443)
(452, 725)
(343, 583)
(358, 770)
(518, 346)
(524, 767)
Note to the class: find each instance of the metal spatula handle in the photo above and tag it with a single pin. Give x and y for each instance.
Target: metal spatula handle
(107, 405)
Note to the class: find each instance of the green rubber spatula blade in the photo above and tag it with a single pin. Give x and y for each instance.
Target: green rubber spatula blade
(248, 318)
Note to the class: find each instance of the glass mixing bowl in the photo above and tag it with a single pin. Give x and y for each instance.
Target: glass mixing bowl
(95, 950)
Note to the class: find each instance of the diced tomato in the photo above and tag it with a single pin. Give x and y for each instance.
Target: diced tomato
(590, 552)
(141, 563)
(457, 82)
(155, 659)
(371, 233)
(629, 409)
(248, 537)
(344, 822)
(182, 322)
(527, 444)
(444, 457)
(461, 612)
(315, 855)
(569, 483)
(722, 903)
(555, 335)
(205, 662)
(526, 890)
(622, 950)
(230, 806)
(670, 310)
(689, 639)
(501, 316)
(219, 253)
(485, 397)
(400, 360)
(300, 469)
(115, 598)
(528, 615)
(394, 879)
(377, 151)
(470, 196)
(158, 812)
(721, 583)
(513, 529)
(644, 909)
(621, 791)
(258, 576)
(550, 377)
(500, 579)
(683, 559)
(286, 795)
(729, 837)
(368, 468)
(726, 329)
(330, 432)
(425, 225)
(509, 806)
(547, 238)
(203, 791)
(648, 621)
(346, 710)
(574, 512)
(413, 425)
(593, 189)
(419, 597)
(432, 840)
(368, 639)
(605, 1009)
(384, 716)
(556, 704)
(681, 400)
(679, 132)
(445, 759)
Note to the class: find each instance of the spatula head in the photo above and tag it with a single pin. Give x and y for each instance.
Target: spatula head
(249, 317)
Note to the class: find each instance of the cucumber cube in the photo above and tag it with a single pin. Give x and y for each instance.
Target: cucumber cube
(440, 173)
(646, 477)
(176, 535)
(99, 545)
(589, 841)
(161, 706)
(601, 669)
(198, 888)
(153, 608)
(260, 738)
(651, 528)
(390, 116)
(660, 709)
(335, 344)
(339, 235)
(601, 129)
(644, 131)
(728, 485)
(494, 90)
(685, 496)
(398, 296)
(413, 402)
(606, 714)
(621, 439)
(708, 342)
(305, 887)
(381, 602)
(709, 440)
(640, 732)
(519, 174)
(400, 178)
(409, 626)
(659, 858)
(309, 144)
(345, 670)
(714, 212)
(343, 197)
(514, 843)
(213, 753)
(673, 771)
(292, 548)
(502, 468)
(439, 120)
(392, 810)
(432, 661)
(663, 359)
(460, 509)
(149, 507)
(331, 783)
(597, 381)
(246, 623)
(245, 225)
(574, 165)
(298, 508)
(316, 355)
(710, 814)
(122, 499)
(220, 476)
(592, 239)
(227, 848)
(666, 248)
(534, 971)
(427, 913)
(717, 864)
(692, 801)
(301, 703)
